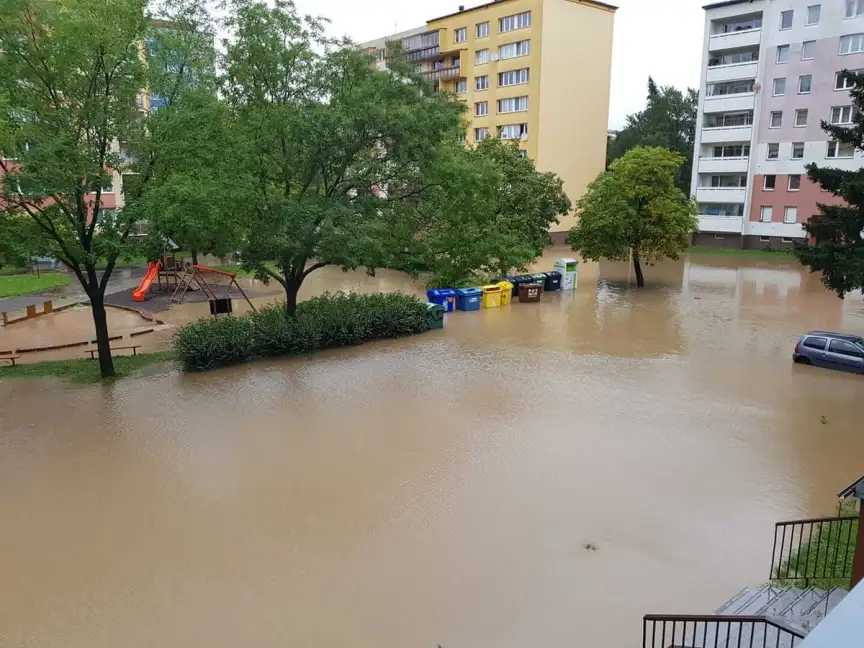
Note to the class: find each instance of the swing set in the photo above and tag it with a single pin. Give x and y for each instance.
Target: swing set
(194, 278)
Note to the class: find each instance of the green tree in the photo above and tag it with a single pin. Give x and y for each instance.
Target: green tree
(335, 147)
(668, 121)
(836, 233)
(71, 76)
(488, 214)
(634, 208)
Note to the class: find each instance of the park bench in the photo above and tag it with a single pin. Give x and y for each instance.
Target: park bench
(134, 348)
(10, 358)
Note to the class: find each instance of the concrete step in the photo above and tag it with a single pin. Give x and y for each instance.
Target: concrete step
(823, 606)
(784, 598)
(797, 611)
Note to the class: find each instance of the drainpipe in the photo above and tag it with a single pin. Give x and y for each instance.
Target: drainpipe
(858, 559)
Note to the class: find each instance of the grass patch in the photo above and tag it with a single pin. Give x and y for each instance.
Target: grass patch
(26, 284)
(777, 255)
(826, 561)
(84, 371)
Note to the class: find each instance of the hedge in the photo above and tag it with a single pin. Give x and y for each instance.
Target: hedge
(320, 323)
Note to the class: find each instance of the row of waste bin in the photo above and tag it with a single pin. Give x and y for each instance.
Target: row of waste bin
(527, 288)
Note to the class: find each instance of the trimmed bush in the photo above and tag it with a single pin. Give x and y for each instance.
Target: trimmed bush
(320, 323)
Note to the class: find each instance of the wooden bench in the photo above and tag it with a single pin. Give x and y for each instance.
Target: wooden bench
(134, 348)
(10, 358)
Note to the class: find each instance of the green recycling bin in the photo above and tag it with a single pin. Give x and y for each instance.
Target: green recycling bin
(435, 316)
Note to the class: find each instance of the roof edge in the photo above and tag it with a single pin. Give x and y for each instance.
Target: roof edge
(595, 3)
(725, 3)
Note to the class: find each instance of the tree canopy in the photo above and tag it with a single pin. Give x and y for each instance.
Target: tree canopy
(635, 208)
(668, 121)
(837, 231)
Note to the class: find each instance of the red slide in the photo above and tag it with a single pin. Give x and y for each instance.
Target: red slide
(144, 287)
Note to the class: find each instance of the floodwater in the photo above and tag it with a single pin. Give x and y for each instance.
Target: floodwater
(439, 489)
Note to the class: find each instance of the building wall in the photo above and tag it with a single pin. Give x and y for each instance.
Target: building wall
(574, 108)
(806, 200)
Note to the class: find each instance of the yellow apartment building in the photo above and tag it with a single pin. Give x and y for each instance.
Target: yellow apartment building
(536, 71)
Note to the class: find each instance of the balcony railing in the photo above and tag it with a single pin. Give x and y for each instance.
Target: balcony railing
(717, 631)
(444, 73)
(422, 54)
(816, 552)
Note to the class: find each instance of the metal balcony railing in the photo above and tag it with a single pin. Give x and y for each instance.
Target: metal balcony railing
(444, 73)
(717, 631)
(816, 552)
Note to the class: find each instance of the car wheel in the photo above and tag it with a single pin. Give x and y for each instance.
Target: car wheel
(803, 360)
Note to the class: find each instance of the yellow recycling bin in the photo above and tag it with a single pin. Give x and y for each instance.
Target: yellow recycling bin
(506, 292)
(491, 296)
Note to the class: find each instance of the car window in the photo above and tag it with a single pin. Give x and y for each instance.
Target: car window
(846, 348)
(815, 343)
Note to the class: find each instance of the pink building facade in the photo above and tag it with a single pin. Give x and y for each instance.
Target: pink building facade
(771, 75)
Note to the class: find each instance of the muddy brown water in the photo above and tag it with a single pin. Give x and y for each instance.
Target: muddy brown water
(439, 489)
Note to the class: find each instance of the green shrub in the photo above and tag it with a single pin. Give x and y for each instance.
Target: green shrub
(320, 323)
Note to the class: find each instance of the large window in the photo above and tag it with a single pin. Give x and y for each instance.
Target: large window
(733, 58)
(513, 77)
(808, 50)
(728, 120)
(737, 26)
(773, 151)
(481, 57)
(805, 82)
(512, 23)
(776, 119)
(770, 182)
(841, 115)
(481, 83)
(513, 131)
(854, 8)
(730, 88)
(514, 104)
(794, 182)
(797, 150)
(513, 50)
(460, 35)
(840, 150)
(852, 44)
(721, 209)
(482, 29)
(461, 86)
(730, 151)
(843, 80)
(727, 181)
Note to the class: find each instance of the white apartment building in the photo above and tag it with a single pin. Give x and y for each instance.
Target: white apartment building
(771, 73)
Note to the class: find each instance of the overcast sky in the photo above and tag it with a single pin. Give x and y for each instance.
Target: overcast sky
(662, 38)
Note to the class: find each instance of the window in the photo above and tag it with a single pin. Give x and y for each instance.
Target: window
(852, 44)
(481, 108)
(737, 26)
(790, 215)
(776, 119)
(514, 50)
(805, 82)
(718, 237)
(797, 150)
(721, 209)
(514, 104)
(728, 120)
(840, 150)
(786, 19)
(481, 57)
(794, 182)
(782, 53)
(514, 77)
(764, 239)
(727, 181)
(731, 151)
(513, 131)
(461, 86)
(786, 240)
(844, 80)
(801, 116)
(460, 35)
(817, 343)
(482, 30)
(846, 348)
(730, 88)
(854, 8)
(779, 87)
(733, 58)
(773, 151)
(770, 182)
(517, 21)
(767, 214)
(814, 14)
(523, 153)
(808, 50)
(481, 83)
(480, 134)
(842, 115)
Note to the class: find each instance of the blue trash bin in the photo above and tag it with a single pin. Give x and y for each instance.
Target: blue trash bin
(468, 299)
(445, 297)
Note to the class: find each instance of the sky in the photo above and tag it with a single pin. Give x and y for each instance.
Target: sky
(661, 38)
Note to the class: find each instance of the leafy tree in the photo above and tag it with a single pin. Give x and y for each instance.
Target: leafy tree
(71, 76)
(836, 233)
(489, 213)
(335, 147)
(634, 208)
(668, 121)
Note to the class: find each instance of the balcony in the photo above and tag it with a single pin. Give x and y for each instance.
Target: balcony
(723, 164)
(730, 103)
(731, 72)
(735, 40)
(444, 73)
(721, 223)
(422, 54)
(723, 134)
(721, 194)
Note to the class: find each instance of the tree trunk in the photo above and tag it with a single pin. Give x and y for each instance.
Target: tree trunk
(100, 321)
(194, 257)
(637, 268)
(292, 287)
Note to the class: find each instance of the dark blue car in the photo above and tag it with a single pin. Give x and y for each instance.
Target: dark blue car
(831, 350)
